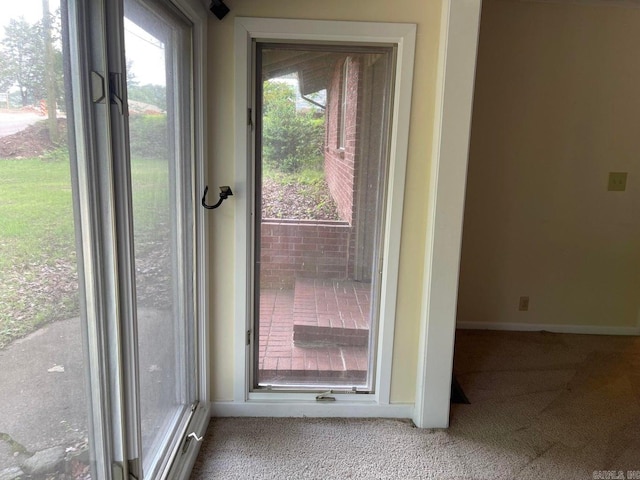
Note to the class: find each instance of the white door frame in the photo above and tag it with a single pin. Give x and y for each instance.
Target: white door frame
(456, 74)
(403, 36)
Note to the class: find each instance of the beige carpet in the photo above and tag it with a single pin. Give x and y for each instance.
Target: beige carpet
(543, 406)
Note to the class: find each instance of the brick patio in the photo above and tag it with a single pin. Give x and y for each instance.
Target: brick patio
(330, 318)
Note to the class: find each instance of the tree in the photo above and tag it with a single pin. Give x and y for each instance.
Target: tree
(49, 72)
(23, 59)
(132, 81)
(5, 82)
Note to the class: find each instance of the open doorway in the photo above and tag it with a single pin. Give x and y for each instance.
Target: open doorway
(548, 246)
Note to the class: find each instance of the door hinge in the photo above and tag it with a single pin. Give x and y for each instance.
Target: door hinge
(249, 118)
(248, 337)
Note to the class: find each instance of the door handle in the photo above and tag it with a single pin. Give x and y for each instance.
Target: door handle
(225, 192)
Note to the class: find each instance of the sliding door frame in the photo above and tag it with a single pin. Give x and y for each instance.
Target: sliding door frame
(184, 459)
(89, 169)
(96, 50)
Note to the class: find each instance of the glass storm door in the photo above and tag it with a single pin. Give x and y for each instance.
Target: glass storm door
(157, 44)
(321, 165)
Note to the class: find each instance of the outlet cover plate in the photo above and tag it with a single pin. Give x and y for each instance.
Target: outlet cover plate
(617, 181)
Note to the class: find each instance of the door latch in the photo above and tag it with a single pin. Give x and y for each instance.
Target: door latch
(325, 397)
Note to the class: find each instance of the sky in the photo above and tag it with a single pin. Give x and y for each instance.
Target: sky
(31, 10)
(145, 52)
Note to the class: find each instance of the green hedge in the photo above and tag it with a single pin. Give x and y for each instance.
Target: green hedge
(148, 134)
(292, 140)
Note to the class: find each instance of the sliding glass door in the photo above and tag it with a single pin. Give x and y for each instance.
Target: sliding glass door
(157, 42)
(99, 374)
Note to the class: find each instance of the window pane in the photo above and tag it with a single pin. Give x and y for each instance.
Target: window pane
(321, 166)
(159, 148)
(44, 421)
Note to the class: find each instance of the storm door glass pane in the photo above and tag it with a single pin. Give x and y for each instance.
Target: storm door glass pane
(157, 89)
(321, 169)
(45, 420)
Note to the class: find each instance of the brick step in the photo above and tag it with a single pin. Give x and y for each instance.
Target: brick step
(331, 312)
(343, 337)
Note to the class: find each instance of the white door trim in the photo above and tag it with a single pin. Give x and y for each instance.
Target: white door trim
(402, 35)
(312, 410)
(454, 97)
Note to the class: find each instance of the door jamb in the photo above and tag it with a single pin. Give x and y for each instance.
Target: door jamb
(460, 26)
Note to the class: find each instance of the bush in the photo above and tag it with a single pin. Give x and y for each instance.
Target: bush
(291, 140)
(149, 137)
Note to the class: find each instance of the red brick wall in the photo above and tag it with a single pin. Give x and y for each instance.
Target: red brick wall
(341, 163)
(294, 248)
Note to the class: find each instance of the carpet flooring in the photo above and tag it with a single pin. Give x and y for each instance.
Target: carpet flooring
(543, 406)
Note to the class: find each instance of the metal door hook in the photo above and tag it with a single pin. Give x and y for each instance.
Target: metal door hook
(225, 192)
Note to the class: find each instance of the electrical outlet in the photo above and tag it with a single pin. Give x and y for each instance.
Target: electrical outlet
(617, 181)
(523, 305)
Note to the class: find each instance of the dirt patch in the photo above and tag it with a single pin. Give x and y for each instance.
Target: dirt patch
(298, 201)
(37, 293)
(33, 141)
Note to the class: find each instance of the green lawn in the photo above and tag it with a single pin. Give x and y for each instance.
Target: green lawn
(35, 210)
(38, 279)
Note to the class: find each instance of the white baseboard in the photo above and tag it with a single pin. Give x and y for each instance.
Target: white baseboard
(305, 409)
(533, 327)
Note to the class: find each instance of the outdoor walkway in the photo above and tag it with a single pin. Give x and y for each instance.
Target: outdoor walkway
(314, 333)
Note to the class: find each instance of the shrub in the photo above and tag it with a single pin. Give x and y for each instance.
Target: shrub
(291, 140)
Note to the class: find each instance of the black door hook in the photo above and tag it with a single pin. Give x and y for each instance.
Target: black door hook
(224, 193)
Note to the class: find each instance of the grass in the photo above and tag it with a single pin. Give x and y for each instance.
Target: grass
(35, 210)
(150, 195)
(307, 177)
(311, 175)
(38, 278)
